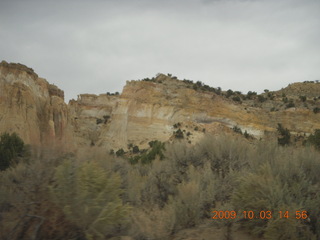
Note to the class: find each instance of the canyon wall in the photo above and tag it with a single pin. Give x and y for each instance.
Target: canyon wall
(144, 111)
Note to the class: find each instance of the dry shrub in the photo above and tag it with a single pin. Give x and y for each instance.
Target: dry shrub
(206, 181)
(293, 229)
(224, 153)
(187, 205)
(179, 156)
(155, 223)
(159, 185)
(26, 209)
(90, 197)
(135, 184)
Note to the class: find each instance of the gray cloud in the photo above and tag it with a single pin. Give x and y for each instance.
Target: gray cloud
(95, 46)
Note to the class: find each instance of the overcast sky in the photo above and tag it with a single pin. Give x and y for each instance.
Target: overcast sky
(95, 46)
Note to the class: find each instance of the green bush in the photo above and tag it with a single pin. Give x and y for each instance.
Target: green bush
(314, 138)
(135, 149)
(251, 94)
(236, 129)
(236, 99)
(316, 110)
(290, 105)
(229, 93)
(285, 99)
(246, 134)
(157, 149)
(178, 134)
(285, 135)
(303, 98)
(261, 98)
(99, 121)
(11, 147)
(120, 152)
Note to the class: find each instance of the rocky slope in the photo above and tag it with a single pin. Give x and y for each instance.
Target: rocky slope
(32, 107)
(152, 109)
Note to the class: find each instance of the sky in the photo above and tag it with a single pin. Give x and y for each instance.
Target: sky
(96, 46)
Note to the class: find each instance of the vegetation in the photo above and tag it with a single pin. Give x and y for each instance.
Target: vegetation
(229, 93)
(316, 110)
(284, 138)
(178, 134)
(169, 188)
(303, 98)
(314, 139)
(120, 152)
(290, 105)
(157, 149)
(11, 148)
(236, 129)
(251, 94)
(261, 98)
(89, 196)
(236, 99)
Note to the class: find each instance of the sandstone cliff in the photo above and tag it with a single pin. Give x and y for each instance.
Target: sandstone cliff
(145, 111)
(32, 107)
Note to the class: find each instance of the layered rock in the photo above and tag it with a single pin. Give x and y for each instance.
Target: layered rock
(145, 111)
(32, 107)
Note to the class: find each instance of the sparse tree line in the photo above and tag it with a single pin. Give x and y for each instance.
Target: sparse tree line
(239, 97)
(103, 196)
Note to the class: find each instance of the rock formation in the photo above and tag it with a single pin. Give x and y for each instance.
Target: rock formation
(145, 111)
(32, 107)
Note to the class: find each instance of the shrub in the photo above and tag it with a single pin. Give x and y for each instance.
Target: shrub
(11, 147)
(160, 184)
(264, 191)
(99, 121)
(26, 208)
(251, 94)
(261, 98)
(187, 205)
(285, 180)
(152, 223)
(224, 154)
(303, 98)
(135, 149)
(178, 134)
(246, 134)
(314, 138)
(316, 110)
(177, 125)
(236, 99)
(229, 93)
(285, 99)
(90, 198)
(290, 105)
(120, 152)
(106, 118)
(157, 149)
(285, 135)
(236, 129)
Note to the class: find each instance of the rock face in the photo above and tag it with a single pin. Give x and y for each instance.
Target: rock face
(145, 111)
(32, 107)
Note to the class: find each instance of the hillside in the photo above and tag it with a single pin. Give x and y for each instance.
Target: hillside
(146, 110)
